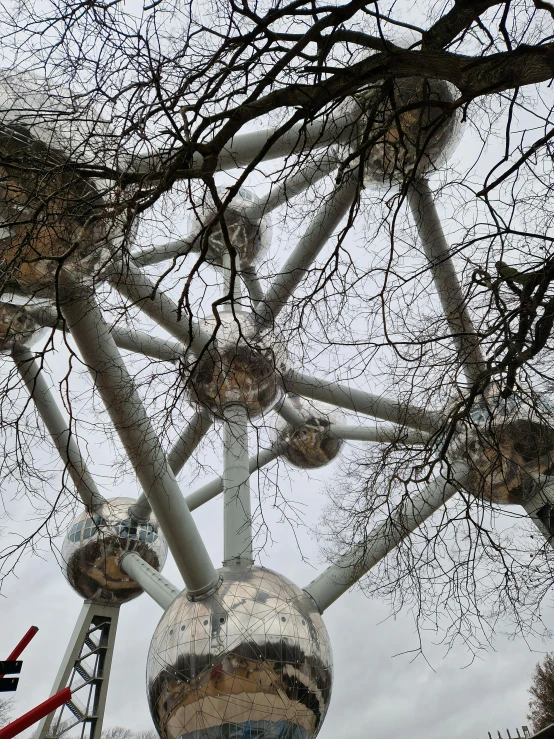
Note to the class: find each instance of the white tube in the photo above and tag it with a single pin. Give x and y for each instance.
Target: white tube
(359, 401)
(117, 390)
(237, 514)
(150, 580)
(386, 536)
(33, 375)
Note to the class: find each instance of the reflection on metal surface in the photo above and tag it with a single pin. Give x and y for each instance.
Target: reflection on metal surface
(250, 238)
(237, 368)
(47, 210)
(505, 442)
(94, 543)
(310, 446)
(17, 327)
(414, 141)
(252, 659)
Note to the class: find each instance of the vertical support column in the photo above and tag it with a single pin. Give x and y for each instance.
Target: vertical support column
(237, 515)
(446, 280)
(86, 669)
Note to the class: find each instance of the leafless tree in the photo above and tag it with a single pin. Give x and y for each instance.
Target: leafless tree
(541, 705)
(176, 83)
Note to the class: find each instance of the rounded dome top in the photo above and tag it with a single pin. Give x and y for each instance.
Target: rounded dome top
(94, 543)
(49, 209)
(241, 365)
(310, 446)
(412, 142)
(253, 659)
(250, 236)
(506, 442)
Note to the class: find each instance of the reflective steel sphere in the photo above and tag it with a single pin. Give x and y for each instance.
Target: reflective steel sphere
(250, 237)
(93, 545)
(505, 441)
(47, 209)
(17, 327)
(239, 366)
(311, 446)
(251, 660)
(412, 142)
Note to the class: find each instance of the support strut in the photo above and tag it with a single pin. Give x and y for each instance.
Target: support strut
(446, 280)
(237, 514)
(117, 390)
(85, 669)
(353, 565)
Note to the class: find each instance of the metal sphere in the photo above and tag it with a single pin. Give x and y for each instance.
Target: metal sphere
(253, 659)
(250, 237)
(239, 366)
(505, 442)
(412, 142)
(94, 543)
(310, 446)
(47, 208)
(17, 327)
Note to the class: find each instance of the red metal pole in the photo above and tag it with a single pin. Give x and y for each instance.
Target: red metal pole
(34, 715)
(22, 644)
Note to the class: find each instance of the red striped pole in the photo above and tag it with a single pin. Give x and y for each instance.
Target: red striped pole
(35, 714)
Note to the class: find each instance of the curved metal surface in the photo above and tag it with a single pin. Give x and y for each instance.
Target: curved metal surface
(17, 327)
(312, 445)
(409, 143)
(241, 365)
(47, 209)
(250, 236)
(506, 443)
(93, 545)
(253, 658)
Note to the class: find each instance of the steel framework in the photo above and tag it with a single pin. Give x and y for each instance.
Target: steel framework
(86, 664)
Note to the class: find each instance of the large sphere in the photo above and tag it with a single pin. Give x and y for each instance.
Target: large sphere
(47, 209)
(409, 143)
(251, 660)
(310, 446)
(93, 545)
(505, 442)
(18, 327)
(250, 237)
(240, 366)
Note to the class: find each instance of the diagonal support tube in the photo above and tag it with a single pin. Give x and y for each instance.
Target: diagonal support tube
(150, 580)
(362, 402)
(379, 434)
(140, 290)
(178, 456)
(213, 488)
(33, 375)
(293, 186)
(285, 191)
(160, 252)
(386, 536)
(237, 513)
(131, 340)
(446, 280)
(306, 251)
(117, 390)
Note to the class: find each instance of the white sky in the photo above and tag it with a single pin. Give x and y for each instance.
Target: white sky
(379, 689)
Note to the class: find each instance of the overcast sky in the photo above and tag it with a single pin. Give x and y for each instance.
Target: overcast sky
(379, 688)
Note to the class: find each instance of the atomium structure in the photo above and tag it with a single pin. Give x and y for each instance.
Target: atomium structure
(240, 651)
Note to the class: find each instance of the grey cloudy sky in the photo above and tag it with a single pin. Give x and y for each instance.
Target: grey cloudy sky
(375, 692)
